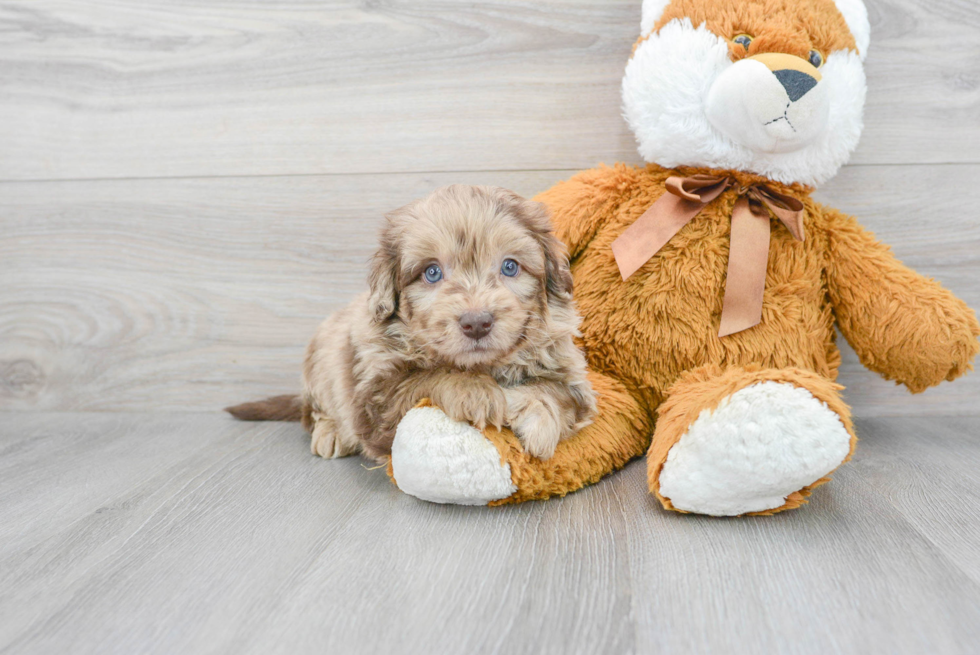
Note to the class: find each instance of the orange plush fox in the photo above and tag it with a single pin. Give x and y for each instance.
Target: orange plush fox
(710, 282)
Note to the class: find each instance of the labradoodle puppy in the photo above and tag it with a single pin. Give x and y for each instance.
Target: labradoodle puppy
(470, 306)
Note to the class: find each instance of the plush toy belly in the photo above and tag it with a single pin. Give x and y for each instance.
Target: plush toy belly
(664, 319)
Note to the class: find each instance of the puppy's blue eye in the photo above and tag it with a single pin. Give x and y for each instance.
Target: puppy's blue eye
(432, 274)
(510, 268)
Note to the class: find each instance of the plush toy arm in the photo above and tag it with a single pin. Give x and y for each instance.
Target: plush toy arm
(904, 326)
(578, 206)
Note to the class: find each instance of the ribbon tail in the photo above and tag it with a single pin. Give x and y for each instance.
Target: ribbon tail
(748, 259)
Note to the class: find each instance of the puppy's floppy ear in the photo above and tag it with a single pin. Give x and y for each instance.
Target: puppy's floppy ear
(383, 276)
(537, 219)
(559, 273)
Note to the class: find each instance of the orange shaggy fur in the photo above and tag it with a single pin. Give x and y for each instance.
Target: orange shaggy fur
(792, 27)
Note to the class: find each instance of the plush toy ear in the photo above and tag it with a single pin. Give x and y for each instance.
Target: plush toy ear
(856, 16)
(383, 276)
(650, 14)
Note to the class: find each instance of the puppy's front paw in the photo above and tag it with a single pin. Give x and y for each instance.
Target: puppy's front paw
(538, 429)
(326, 441)
(480, 405)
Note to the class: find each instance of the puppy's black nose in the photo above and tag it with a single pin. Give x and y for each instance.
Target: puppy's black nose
(476, 324)
(796, 83)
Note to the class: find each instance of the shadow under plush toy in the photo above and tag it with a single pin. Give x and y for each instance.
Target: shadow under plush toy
(710, 282)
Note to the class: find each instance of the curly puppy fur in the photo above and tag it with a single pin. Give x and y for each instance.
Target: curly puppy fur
(404, 340)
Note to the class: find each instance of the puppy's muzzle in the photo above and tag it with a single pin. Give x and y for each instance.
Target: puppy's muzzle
(476, 325)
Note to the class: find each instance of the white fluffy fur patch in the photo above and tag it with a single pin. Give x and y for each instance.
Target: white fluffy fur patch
(759, 445)
(664, 96)
(444, 461)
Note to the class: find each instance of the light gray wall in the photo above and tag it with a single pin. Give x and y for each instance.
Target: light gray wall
(187, 187)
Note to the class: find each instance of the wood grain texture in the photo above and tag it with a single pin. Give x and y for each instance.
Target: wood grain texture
(191, 533)
(920, 464)
(100, 89)
(195, 294)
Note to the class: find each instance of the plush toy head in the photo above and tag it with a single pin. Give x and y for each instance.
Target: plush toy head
(773, 87)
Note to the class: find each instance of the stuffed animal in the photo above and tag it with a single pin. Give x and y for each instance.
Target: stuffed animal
(710, 282)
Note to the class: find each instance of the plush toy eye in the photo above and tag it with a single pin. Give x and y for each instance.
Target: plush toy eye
(743, 40)
(432, 274)
(815, 58)
(510, 268)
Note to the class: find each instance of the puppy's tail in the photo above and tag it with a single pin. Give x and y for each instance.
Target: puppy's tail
(277, 408)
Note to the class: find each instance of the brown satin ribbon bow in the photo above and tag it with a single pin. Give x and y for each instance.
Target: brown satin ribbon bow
(748, 249)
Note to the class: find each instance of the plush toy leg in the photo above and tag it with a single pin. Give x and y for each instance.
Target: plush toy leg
(440, 460)
(747, 440)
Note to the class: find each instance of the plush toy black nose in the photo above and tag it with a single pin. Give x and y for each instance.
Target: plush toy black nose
(796, 83)
(476, 325)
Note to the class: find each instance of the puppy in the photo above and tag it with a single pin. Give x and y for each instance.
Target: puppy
(469, 305)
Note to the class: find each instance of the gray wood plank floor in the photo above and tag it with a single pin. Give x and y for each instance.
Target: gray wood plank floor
(190, 533)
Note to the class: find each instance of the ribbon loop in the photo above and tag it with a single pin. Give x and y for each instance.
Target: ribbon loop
(787, 209)
(698, 188)
(749, 247)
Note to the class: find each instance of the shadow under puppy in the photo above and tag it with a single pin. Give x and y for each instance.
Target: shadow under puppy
(470, 305)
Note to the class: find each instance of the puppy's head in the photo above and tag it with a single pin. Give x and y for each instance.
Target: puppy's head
(473, 273)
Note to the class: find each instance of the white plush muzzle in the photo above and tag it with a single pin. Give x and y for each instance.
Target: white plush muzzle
(768, 111)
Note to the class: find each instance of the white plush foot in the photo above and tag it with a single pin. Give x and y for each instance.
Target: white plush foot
(444, 461)
(759, 445)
